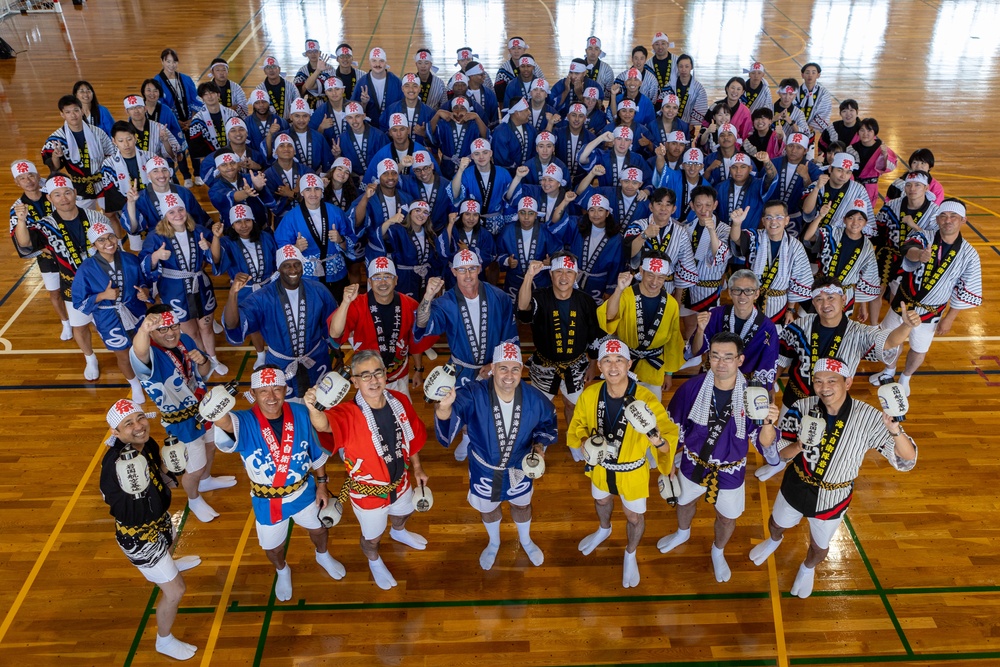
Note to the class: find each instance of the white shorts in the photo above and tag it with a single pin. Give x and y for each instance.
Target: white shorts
(76, 318)
(634, 506)
(563, 389)
(657, 390)
(272, 537)
(820, 530)
(486, 506)
(920, 337)
(51, 281)
(197, 457)
(402, 385)
(730, 503)
(162, 571)
(373, 522)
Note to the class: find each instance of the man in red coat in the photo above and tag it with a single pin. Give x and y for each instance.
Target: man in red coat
(381, 319)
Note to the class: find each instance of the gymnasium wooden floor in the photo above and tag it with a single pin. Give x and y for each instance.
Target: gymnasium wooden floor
(913, 577)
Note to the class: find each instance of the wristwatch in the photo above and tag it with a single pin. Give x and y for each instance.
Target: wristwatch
(322, 480)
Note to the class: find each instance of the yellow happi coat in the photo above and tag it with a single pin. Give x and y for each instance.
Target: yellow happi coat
(668, 334)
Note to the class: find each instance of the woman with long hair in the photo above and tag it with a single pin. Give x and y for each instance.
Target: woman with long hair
(183, 284)
(93, 112)
(181, 95)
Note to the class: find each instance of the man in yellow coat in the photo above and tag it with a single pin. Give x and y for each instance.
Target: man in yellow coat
(647, 320)
(624, 471)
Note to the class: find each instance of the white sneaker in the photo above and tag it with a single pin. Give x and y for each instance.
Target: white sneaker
(219, 368)
(198, 181)
(188, 183)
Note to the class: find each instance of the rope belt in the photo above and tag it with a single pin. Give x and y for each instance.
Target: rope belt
(458, 362)
(352, 485)
(624, 467)
(913, 302)
(715, 467)
(775, 292)
(825, 486)
(709, 283)
(89, 181)
(147, 532)
(652, 356)
(558, 365)
(180, 415)
(265, 491)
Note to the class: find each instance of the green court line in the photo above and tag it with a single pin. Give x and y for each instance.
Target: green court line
(878, 587)
(230, 43)
(905, 591)
(271, 599)
(409, 42)
(918, 658)
(748, 662)
(372, 35)
(156, 589)
(302, 605)
(152, 600)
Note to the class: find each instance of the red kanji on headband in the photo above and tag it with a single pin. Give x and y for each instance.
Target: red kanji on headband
(21, 167)
(656, 265)
(171, 200)
(381, 262)
(464, 54)
(240, 212)
(613, 346)
(268, 376)
(61, 182)
(312, 181)
(132, 99)
(527, 201)
(797, 138)
(418, 157)
(124, 407)
(167, 319)
(596, 200)
(376, 53)
(592, 41)
(694, 154)
(632, 174)
(289, 251)
(846, 164)
(466, 255)
(515, 43)
(551, 169)
(509, 351)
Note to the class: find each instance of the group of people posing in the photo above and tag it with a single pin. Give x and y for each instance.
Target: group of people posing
(606, 214)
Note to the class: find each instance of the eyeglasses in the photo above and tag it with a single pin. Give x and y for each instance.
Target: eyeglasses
(381, 277)
(368, 376)
(742, 291)
(726, 359)
(467, 269)
(775, 218)
(172, 327)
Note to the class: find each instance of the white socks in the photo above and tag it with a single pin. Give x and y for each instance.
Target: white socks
(577, 453)
(592, 541)
(332, 566)
(489, 554)
(760, 552)
(673, 540)
(67, 331)
(217, 326)
(92, 371)
(201, 509)
(766, 472)
(218, 367)
(803, 586)
(904, 381)
(462, 450)
(771, 454)
(185, 563)
(412, 540)
(261, 360)
(174, 648)
(630, 572)
(135, 243)
(535, 554)
(213, 483)
(722, 571)
(383, 578)
(283, 587)
(138, 395)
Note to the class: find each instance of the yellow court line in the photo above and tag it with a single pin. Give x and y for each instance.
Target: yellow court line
(971, 178)
(772, 575)
(220, 609)
(253, 33)
(53, 536)
(969, 203)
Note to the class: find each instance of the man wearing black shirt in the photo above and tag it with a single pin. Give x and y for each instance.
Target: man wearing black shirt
(143, 527)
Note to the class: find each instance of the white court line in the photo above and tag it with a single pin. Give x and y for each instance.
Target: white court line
(20, 309)
(244, 348)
